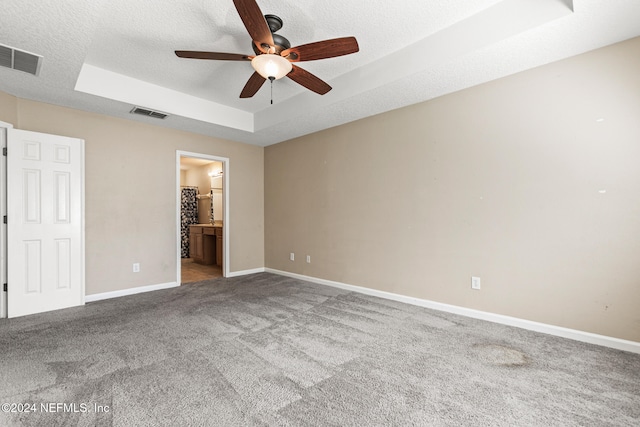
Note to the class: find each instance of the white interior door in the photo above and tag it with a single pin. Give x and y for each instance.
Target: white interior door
(45, 230)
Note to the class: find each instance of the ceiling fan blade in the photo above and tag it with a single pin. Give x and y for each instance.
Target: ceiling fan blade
(255, 23)
(254, 83)
(212, 55)
(321, 50)
(308, 80)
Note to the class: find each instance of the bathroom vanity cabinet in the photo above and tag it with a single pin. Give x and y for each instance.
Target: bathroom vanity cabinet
(205, 244)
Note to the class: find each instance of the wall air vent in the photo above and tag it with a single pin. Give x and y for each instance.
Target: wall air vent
(148, 113)
(20, 60)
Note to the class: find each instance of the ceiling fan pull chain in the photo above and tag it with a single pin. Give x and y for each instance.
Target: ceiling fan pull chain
(271, 79)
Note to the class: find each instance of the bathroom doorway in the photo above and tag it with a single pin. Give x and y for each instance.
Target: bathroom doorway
(202, 208)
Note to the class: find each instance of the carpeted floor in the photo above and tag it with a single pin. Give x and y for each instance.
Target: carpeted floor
(270, 350)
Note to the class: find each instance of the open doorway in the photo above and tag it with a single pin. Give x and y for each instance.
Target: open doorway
(202, 207)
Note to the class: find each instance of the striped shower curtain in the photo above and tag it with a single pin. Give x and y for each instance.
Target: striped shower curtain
(188, 216)
(211, 212)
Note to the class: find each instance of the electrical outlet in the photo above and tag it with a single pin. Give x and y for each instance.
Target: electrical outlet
(292, 256)
(308, 259)
(475, 283)
(136, 267)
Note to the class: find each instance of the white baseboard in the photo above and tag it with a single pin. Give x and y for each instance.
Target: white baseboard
(603, 340)
(245, 272)
(130, 291)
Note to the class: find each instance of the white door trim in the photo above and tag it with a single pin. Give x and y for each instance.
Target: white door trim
(225, 223)
(3, 211)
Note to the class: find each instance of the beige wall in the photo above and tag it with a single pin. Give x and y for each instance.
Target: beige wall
(131, 194)
(499, 181)
(8, 108)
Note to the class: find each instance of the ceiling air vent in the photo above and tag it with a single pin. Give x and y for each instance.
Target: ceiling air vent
(20, 60)
(148, 113)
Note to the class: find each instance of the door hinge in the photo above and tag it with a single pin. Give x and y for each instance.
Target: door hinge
(4, 219)
(4, 151)
(4, 287)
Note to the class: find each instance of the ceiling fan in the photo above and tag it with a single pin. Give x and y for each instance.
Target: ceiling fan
(273, 53)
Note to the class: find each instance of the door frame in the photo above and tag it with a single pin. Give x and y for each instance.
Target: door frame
(225, 196)
(4, 130)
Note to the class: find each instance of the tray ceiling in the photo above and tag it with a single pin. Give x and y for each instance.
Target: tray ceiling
(111, 55)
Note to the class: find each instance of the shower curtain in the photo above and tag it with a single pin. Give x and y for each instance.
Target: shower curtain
(188, 216)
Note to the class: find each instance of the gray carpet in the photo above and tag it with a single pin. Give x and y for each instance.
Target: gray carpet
(270, 350)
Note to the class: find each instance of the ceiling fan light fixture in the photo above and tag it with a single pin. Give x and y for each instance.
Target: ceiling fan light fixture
(270, 65)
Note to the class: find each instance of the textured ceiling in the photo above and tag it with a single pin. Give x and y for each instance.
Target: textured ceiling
(106, 56)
